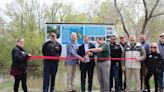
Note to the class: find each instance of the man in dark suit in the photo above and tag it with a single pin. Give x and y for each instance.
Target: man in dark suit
(87, 66)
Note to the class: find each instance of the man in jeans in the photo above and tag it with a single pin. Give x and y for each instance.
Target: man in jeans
(103, 66)
(50, 48)
(133, 66)
(143, 65)
(116, 52)
(161, 68)
(123, 43)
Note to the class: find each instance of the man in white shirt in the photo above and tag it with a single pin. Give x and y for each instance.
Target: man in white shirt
(87, 66)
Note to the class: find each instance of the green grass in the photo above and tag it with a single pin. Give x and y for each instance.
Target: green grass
(6, 85)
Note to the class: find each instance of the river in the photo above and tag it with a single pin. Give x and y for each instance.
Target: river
(35, 79)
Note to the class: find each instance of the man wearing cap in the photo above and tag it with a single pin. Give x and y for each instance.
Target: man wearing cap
(161, 69)
(50, 48)
(103, 66)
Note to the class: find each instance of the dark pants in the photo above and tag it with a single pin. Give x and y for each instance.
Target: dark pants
(161, 72)
(115, 73)
(50, 70)
(143, 75)
(87, 68)
(148, 76)
(122, 81)
(23, 79)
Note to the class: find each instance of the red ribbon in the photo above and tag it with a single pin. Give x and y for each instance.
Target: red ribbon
(71, 58)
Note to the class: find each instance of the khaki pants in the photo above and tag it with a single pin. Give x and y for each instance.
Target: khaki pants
(103, 72)
(136, 73)
(71, 69)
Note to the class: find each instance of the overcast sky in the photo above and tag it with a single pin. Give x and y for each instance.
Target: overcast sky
(78, 4)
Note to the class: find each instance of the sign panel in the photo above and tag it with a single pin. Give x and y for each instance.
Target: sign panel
(64, 30)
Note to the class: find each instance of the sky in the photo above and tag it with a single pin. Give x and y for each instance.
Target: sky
(78, 4)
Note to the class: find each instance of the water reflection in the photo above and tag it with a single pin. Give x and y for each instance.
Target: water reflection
(35, 79)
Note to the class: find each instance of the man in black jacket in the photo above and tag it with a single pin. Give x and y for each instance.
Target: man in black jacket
(116, 52)
(88, 65)
(50, 48)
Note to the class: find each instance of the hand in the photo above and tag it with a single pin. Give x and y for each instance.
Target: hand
(83, 59)
(89, 50)
(138, 59)
(88, 53)
(29, 55)
(123, 68)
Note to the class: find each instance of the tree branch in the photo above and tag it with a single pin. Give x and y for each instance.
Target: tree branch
(122, 20)
(148, 17)
(153, 9)
(159, 14)
(146, 10)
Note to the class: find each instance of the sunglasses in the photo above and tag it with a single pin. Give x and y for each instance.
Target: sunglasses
(154, 47)
(162, 36)
(53, 36)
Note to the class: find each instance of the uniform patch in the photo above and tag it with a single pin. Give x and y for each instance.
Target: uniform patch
(155, 57)
(150, 56)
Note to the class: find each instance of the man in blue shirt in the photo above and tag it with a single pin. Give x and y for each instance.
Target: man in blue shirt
(72, 48)
(143, 71)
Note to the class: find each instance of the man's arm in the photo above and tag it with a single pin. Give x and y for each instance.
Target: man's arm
(60, 49)
(96, 49)
(72, 51)
(143, 54)
(43, 49)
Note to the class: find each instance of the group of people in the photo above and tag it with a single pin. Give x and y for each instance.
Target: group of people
(113, 61)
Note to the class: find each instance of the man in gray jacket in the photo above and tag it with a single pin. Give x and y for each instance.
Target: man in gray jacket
(72, 48)
(161, 69)
(133, 66)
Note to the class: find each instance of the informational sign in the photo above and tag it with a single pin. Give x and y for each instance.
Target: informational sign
(64, 30)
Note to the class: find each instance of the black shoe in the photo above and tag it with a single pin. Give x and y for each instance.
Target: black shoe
(73, 91)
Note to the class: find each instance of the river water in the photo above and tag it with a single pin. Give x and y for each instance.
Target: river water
(35, 79)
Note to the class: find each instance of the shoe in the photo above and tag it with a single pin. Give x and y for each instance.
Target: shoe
(145, 90)
(73, 91)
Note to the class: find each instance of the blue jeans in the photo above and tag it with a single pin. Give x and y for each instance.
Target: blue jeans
(161, 81)
(114, 73)
(49, 73)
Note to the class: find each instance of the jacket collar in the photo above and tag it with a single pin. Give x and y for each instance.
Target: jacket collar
(137, 44)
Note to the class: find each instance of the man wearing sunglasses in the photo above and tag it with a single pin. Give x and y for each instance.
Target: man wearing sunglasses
(50, 48)
(161, 69)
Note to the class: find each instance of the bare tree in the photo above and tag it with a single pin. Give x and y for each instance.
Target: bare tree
(122, 19)
(149, 13)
